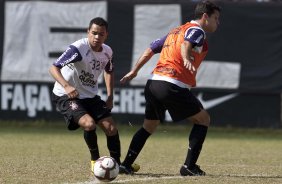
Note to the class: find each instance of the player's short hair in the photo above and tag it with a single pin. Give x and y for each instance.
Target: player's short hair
(207, 7)
(98, 21)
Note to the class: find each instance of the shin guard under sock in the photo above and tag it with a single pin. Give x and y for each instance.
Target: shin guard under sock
(113, 144)
(136, 145)
(196, 140)
(90, 138)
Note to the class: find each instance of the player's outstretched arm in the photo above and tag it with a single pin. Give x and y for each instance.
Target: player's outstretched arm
(145, 57)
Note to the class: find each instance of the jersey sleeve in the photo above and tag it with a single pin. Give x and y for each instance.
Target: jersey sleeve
(71, 55)
(157, 45)
(110, 66)
(195, 36)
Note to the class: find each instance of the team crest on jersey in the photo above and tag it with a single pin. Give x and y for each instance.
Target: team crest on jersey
(73, 105)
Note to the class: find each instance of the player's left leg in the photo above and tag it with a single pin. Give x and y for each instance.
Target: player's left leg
(196, 139)
(113, 142)
(182, 104)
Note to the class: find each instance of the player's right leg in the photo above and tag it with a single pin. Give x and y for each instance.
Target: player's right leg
(76, 116)
(137, 143)
(153, 113)
(90, 137)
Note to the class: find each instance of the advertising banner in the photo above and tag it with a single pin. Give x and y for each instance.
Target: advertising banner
(239, 82)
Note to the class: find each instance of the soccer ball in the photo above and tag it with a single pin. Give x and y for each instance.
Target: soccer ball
(106, 169)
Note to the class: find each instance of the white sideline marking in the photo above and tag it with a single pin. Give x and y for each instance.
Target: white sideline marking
(148, 178)
(94, 181)
(131, 180)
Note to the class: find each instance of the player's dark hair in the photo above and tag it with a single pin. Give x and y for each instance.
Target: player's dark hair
(207, 7)
(98, 21)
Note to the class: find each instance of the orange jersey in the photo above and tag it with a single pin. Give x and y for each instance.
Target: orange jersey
(170, 66)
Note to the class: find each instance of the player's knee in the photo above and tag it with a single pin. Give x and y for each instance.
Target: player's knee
(87, 123)
(202, 118)
(111, 131)
(108, 126)
(151, 125)
(207, 120)
(89, 127)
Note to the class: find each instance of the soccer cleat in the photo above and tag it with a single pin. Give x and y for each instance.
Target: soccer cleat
(125, 170)
(92, 165)
(135, 167)
(196, 171)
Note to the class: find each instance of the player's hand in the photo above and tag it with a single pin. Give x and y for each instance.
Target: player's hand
(188, 65)
(129, 76)
(71, 91)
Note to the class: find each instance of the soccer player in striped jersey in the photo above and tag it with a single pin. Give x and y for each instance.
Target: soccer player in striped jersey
(76, 73)
(181, 52)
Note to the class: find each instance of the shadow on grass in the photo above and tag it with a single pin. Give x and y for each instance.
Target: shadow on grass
(246, 176)
(163, 175)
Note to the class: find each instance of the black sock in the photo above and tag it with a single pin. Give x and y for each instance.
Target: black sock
(196, 140)
(136, 145)
(90, 138)
(113, 143)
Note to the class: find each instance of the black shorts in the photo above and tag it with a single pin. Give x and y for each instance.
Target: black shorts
(161, 96)
(74, 109)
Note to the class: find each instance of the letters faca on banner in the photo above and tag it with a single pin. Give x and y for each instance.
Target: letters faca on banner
(30, 97)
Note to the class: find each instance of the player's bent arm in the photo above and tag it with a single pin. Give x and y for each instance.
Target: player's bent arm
(186, 48)
(57, 75)
(55, 72)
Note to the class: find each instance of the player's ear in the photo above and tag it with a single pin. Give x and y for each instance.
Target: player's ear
(205, 16)
(107, 34)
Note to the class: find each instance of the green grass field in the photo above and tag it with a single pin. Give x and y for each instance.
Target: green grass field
(38, 152)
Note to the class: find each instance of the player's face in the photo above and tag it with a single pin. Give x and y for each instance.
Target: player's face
(212, 22)
(97, 36)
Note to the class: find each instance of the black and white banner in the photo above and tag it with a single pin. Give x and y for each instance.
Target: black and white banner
(35, 31)
(238, 83)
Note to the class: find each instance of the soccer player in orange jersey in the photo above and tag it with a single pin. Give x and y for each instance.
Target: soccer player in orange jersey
(181, 52)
